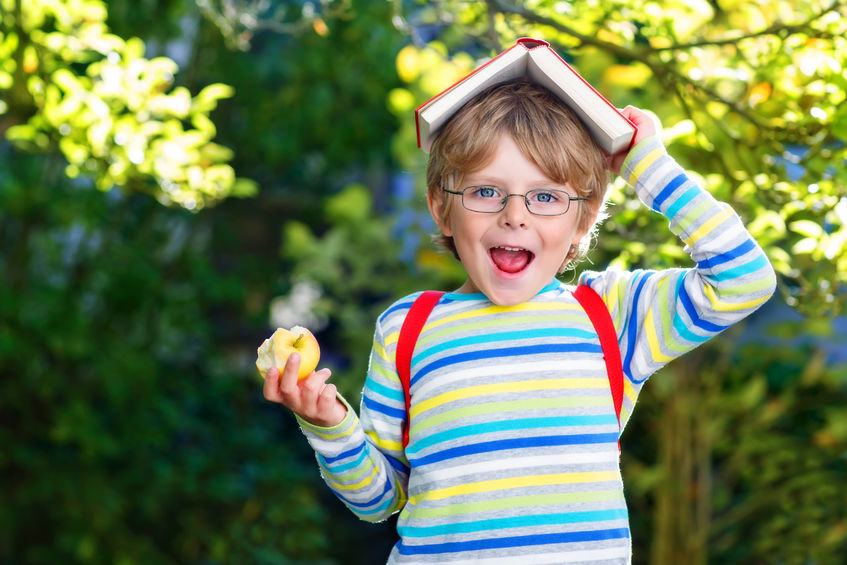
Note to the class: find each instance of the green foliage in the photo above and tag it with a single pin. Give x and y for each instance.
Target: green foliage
(133, 425)
(67, 82)
(781, 490)
(133, 429)
(127, 434)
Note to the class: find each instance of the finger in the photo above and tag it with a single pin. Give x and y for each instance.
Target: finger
(288, 381)
(271, 385)
(327, 396)
(331, 409)
(312, 385)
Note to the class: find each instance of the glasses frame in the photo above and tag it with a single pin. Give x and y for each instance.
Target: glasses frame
(505, 199)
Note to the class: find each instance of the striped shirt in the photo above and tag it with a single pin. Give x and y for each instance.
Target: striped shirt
(513, 453)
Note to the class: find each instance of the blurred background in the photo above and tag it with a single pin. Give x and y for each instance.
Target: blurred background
(180, 177)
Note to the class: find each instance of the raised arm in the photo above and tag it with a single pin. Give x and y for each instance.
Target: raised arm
(660, 315)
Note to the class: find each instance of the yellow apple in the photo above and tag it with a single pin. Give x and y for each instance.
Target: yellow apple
(275, 350)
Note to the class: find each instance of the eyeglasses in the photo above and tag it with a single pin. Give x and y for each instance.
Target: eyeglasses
(492, 199)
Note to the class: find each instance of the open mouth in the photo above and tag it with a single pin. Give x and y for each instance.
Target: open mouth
(511, 259)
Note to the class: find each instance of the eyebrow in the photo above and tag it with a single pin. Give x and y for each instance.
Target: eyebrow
(546, 185)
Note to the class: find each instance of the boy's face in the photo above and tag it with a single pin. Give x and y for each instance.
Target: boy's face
(512, 254)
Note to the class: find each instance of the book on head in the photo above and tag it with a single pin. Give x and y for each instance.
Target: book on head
(536, 60)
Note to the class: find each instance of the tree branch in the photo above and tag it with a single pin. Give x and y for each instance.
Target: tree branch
(634, 54)
(777, 28)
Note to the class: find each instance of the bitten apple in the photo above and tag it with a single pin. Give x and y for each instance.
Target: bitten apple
(275, 350)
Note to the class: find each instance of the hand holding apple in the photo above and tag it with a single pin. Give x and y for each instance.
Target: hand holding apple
(287, 362)
(275, 350)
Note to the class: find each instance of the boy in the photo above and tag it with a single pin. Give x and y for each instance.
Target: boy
(513, 453)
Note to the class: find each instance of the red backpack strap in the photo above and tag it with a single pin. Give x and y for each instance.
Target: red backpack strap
(605, 328)
(409, 332)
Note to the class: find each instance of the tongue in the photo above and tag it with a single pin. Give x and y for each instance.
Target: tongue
(510, 261)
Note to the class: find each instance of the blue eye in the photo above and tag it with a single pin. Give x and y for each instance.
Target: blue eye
(544, 196)
(486, 192)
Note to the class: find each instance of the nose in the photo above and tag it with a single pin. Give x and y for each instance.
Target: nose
(515, 213)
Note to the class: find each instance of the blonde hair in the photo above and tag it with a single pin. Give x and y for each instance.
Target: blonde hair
(547, 132)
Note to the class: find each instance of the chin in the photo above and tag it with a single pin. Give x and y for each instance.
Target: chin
(510, 298)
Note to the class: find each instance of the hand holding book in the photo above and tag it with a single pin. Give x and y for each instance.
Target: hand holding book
(646, 126)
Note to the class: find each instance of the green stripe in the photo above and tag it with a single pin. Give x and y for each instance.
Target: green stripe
(534, 501)
(667, 324)
(509, 406)
(503, 323)
(746, 288)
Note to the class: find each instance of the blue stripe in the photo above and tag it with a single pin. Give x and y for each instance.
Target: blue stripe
(515, 443)
(390, 411)
(397, 464)
(344, 454)
(526, 350)
(741, 270)
(742, 249)
(382, 390)
(510, 425)
(503, 336)
(688, 305)
(405, 305)
(685, 333)
(679, 325)
(513, 541)
(689, 195)
(632, 331)
(668, 190)
(379, 510)
(514, 522)
(346, 466)
(587, 279)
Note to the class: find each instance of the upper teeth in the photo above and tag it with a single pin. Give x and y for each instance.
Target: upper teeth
(511, 248)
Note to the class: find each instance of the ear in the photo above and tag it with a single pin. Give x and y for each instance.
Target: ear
(438, 212)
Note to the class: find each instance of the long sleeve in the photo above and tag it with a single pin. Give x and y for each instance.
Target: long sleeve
(660, 315)
(361, 459)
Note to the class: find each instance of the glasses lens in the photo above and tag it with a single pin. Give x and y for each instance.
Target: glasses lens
(548, 202)
(483, 198)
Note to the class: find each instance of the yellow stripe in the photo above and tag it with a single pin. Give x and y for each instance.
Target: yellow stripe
(381, 353)
(611, 299)
(364, 482)
(496, 388)
(648, 160)
(721, 306)
(518, 482)
(653, 339)
(708, 227)
(384, 444)
(400, 497)
(630, 392)
(325, 435)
